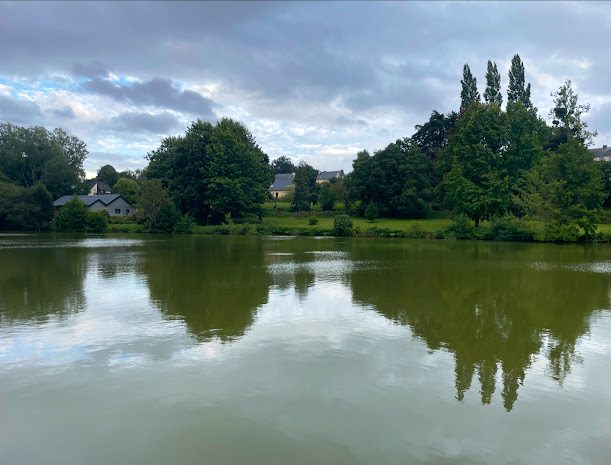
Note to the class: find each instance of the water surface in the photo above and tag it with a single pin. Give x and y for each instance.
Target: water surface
(254, 350)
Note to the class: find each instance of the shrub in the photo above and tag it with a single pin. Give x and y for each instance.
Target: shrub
(313, 221)
(97, 222)
(184, 225)
(371, 212)
(556, 231)
(461, 228)
(342, 226)
(510, 228)
(72, 217)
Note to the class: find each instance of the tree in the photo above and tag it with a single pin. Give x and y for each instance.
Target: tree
(492, 94)
(432, 136)
(108, 174)
(371, 212)
(566, 116)
(24, 209)
(517, 90)
(213, 171)
(477, 183)
(282, 165)
(128, 188)
(469, 93)
(306, 190)
(152, 198)
(33, 154)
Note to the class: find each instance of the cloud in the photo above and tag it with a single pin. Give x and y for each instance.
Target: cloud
(161, 123)
(157, 92)
(64, 112)
(19, 111)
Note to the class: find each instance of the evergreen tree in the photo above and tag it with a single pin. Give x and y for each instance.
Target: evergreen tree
(469, 93)
(492, 95)
(517, 90)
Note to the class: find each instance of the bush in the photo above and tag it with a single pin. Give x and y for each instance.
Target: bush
(510, 228)
(72, 217)
(184, 225)
(313, 221)
(342, 226)
(371, 212)
(461, 228)
(97, 222)
(556, 231)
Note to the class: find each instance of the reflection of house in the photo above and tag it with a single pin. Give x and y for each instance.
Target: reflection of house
(281, 185)
(114, 204)
(100, 188)
(327, 176)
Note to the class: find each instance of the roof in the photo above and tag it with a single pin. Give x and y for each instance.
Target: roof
(601, 152)
(88, 200)
(328, 175)
(282, 182)
(102, 186)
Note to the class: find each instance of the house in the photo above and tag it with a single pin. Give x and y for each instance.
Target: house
(601, 154)
(100, 188)
(114, 204)
(281, 185)
(327, 176)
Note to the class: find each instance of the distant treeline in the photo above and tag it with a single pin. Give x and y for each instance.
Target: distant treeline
(484, 161)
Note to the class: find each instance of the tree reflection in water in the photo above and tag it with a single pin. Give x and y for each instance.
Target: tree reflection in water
(494, 306)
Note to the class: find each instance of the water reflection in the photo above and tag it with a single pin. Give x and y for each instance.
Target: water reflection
(212, 284)
(36, 283)
(488, 304)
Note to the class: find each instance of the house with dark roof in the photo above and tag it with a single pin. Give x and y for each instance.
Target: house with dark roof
(281, 185)
(99, 188)
(113, 204)
(601, 154)
(327, 176)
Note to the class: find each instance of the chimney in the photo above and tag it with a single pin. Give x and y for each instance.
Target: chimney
(604, 146)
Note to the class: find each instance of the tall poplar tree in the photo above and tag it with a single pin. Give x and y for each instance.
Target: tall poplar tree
(469, 93)
(517, 90)
(492, 95)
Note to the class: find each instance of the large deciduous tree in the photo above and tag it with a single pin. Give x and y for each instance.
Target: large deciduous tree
(306, 190)
(213, 171)
(566, 117)
(108, 174)
(282, 165)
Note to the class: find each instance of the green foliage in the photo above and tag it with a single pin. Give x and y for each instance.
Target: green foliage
(108, 174)
(23, 209)
(153, 197)
(469, 93)
(566, 115)
(492, 94)
(72, 217)
(461, 228)
(96, 222)
(342, 226)
(477, 184)
(396, 179)
(510, 228)
(371, 212)
(30, 155)
(128, 188)
(517, 90)
(282, 165)
(213, 170)
(306, 189)
(313, 221)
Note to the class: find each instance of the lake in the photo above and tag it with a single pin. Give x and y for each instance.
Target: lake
(280, 350)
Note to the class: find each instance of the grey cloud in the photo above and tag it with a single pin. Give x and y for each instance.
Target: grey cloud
(156, 92)
(89, 70)
(131, 122)
(120, 161)
(65, 112)
(19, 111)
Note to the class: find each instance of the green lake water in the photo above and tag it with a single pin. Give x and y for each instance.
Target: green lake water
(262, 350)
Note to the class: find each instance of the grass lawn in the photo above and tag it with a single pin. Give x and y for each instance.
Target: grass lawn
(428, 225)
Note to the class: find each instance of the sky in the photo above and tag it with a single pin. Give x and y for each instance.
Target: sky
(315, 81)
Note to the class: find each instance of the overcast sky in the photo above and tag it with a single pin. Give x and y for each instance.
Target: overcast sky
(315, 81)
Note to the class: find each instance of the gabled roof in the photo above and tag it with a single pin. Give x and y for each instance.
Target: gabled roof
(328, 175)
(102, 186)
(282, 182)
(601, 152)
(88, 200)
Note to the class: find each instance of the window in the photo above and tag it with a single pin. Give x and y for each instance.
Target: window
(127, 211)
(117, 211)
